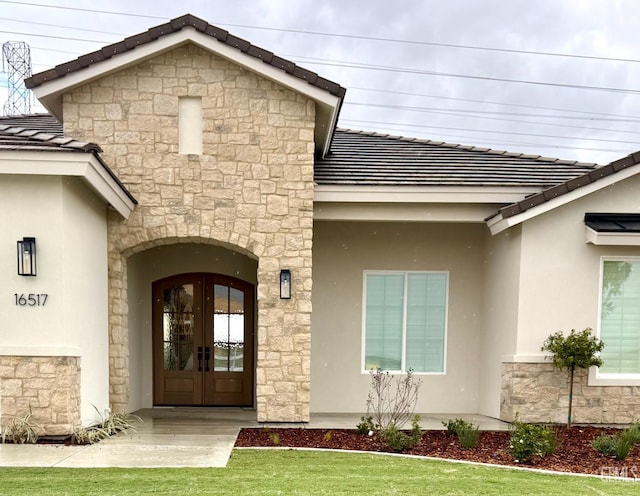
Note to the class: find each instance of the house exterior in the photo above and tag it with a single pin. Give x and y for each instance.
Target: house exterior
(186, 181)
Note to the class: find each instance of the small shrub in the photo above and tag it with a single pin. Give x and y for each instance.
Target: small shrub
(21, 430)
(391, 401)
(397, 440)
(469, 436)
(89, 435)
(366, 426)
(468, 433)
(327, 436)
(529, 440)
(633, 432)
(617, 446)
(109, 425)
(274, 438)
(114, 423)
(456, 426)
(416, 431)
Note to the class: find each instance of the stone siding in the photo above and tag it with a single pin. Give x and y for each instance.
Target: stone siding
(49, 386)
(251, 191)
(538, 392)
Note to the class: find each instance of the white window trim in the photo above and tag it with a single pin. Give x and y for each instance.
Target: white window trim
(597, 378)
(405, 273)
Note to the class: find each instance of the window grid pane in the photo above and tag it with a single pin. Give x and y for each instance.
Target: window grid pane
(424, 328)
(384, 306)
(620, 317)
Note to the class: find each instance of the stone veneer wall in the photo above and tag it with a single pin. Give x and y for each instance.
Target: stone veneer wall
(538, 392)
(251, 190)
(49, 386)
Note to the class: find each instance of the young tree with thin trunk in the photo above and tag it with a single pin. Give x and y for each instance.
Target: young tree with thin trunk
(577, 350)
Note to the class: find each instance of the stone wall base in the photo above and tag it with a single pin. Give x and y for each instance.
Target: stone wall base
(49, 386)
(538, 392)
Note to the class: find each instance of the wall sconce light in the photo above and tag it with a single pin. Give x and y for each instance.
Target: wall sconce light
(27, 257)
(285, 284)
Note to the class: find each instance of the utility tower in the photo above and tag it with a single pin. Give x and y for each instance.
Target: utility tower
(16, 62)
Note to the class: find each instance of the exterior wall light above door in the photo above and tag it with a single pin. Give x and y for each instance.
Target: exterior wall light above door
(285, 284)
(27, 257)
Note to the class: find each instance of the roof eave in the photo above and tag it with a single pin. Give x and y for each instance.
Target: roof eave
(85, 165)
(503, 219)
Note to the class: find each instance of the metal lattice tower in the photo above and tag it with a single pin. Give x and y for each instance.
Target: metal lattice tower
(16, 62)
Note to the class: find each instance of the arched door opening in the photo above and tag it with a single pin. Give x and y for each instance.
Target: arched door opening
(203, 340)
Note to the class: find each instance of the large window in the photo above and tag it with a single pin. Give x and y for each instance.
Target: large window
(620, 317)
(405, 316)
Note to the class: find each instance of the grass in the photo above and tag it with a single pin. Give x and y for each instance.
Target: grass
(283, 472)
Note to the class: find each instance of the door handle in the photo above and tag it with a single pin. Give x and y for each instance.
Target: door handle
(207, 356)
(199, 358)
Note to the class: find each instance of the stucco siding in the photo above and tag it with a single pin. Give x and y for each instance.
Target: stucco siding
(559, 287)
(342, 251)
(500, 314)
(66, 334)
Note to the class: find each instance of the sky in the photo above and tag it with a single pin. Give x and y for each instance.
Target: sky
(557, 78)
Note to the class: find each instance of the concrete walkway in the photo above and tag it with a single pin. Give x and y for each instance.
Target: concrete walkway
(183, 437)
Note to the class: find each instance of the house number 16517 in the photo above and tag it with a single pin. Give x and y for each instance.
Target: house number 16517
(31, 299)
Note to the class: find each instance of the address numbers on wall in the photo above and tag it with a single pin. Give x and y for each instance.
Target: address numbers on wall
(31, 299)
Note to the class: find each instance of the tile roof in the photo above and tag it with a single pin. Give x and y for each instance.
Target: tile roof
(173, 26)
(43, 133)
(366, 158)
(39, 132)
(568, 186)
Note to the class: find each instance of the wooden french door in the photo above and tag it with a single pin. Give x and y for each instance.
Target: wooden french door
(203, 334)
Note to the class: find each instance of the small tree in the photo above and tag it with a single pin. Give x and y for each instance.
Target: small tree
(579, 350)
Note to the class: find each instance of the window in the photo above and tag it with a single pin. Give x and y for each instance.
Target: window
(620, 317)
(405, 315)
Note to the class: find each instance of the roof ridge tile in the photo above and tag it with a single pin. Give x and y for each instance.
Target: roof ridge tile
(187, 21)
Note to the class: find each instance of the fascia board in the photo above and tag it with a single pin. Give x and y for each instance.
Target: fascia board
(419, 194)
(611, 239)
(399, 212)
(497, 224)
(83, 165)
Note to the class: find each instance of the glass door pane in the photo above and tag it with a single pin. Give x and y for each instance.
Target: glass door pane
(177, 326)
(228, 329)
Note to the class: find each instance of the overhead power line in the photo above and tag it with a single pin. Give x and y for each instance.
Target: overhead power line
(371, 67)
(348, 36)
(490, 102)
(554, 136)
(443, 112)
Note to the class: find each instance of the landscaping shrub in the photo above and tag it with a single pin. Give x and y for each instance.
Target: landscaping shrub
(21, 430)
(619, 445)
(529, 440)
(456, 426)
(366, 427)
(398, 440)
(633, 431)
(390, 401)
(469, 436)
(468, 433)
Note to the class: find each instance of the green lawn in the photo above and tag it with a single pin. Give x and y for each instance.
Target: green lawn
(303, 472)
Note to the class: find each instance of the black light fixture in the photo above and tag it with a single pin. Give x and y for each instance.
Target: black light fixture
(27, 257)
(285, 284)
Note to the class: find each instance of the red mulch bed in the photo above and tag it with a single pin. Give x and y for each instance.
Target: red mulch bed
(574, 453)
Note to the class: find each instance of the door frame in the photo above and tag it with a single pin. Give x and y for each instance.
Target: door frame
(203, 316)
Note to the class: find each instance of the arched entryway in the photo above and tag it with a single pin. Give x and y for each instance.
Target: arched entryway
(164, 263)
(203, 335)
